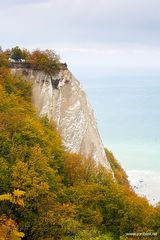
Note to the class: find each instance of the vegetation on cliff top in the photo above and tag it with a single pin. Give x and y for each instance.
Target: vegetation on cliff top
(47, 61)
(47, 193)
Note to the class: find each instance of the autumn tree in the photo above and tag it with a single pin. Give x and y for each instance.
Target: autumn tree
(3, 59)
(31, 159)
(67, 196)
(8, 227)
(79, 169)
(46, 61)
(118, 171)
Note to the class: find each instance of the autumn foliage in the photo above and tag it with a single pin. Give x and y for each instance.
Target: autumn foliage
(47, 193)
(46, 61)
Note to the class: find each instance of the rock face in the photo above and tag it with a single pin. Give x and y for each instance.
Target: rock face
(61, 98)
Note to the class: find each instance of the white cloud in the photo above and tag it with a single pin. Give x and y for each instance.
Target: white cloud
(112, 55)
(80, 21)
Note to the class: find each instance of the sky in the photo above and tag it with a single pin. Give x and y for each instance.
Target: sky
(94, 37)
(115, 32)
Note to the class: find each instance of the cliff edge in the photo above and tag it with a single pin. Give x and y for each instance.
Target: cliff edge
(62, 99)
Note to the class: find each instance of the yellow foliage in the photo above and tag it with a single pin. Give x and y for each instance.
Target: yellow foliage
(18, 193)
(9, 229)
(79, 169)
(6, 197)
(14, 198)
(63, 192)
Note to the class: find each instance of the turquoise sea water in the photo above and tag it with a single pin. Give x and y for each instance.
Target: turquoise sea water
(128, 115)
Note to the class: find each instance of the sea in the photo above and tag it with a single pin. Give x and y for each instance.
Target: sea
(126, 105)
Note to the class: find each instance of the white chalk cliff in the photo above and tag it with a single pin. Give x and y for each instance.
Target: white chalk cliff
(61, 98)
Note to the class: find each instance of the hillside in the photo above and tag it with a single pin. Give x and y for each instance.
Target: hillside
(49, 193)
(58, 95)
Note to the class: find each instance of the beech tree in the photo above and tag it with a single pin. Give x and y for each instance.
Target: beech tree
(46, 61)
(8, 227)
(3, 60)
(118, 171)
(67, 197)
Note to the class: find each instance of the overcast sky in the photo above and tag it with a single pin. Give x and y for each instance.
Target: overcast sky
(114, 32)
(94, 37)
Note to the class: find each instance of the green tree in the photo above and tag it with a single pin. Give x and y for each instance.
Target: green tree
(16, 54)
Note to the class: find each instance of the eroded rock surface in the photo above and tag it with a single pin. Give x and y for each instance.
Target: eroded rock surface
(63, 99)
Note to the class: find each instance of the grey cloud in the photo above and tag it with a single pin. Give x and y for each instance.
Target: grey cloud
(81, 21)
(10, 3)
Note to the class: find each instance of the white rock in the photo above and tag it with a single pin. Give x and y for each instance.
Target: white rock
(68, 106)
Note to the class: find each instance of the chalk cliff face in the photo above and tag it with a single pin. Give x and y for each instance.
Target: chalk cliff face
(61, 98)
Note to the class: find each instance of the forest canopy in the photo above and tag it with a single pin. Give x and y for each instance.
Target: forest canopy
(48, 193)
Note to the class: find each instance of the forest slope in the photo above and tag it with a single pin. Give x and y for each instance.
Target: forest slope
(47, 193)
